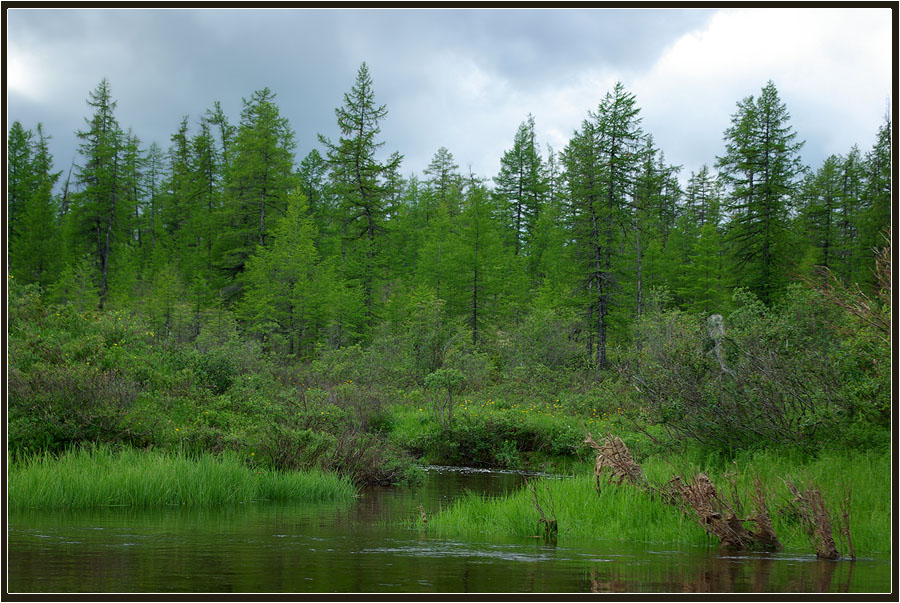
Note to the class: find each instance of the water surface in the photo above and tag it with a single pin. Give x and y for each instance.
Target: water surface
(363, 547)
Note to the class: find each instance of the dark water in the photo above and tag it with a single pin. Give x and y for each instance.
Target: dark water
(359, 547)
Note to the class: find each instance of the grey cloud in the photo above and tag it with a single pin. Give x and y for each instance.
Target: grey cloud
(165, 64)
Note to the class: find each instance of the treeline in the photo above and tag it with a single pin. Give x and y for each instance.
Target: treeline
(341, 248)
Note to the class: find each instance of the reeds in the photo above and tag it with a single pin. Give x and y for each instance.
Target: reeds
(100, 476)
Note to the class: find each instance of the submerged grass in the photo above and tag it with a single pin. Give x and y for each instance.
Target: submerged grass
(100, 476)
(627, 513)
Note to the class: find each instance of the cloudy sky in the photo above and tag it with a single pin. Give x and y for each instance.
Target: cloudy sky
(464, 79)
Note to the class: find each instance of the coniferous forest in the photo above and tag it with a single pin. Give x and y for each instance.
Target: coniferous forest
(225, 296)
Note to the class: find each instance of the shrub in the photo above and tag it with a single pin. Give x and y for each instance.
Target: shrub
(769, 376)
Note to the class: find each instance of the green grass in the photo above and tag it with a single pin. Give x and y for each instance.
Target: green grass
(626, 513)
(99, 476)
(617, 514)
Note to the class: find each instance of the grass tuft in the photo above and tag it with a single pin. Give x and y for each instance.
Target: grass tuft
(100, 476)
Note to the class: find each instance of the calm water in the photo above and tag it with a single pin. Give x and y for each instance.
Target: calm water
(359, 547)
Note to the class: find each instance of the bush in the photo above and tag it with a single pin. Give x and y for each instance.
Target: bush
(769, 376)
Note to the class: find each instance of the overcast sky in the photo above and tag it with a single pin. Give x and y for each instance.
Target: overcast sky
(464, 79)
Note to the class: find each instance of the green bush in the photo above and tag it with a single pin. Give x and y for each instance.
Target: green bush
(773, 376)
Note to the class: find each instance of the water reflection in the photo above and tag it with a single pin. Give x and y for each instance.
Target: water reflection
(363, 547)
(718, 574)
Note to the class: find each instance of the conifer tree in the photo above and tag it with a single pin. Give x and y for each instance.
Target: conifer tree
(876, 221)
(820, 213)
(360, 181)
(761, 166)
(477, 260)
(601, 164)
(521, 186)
(258, 179)
(280, 302)
(34, 245)
(19, 175)
(99, 210)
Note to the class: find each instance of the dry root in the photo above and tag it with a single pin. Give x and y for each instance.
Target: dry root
(699, 498)
(810, 505)
(613, 456)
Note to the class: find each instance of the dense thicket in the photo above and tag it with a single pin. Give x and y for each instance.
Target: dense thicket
(564, 262)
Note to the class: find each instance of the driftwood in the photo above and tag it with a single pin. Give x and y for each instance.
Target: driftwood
(614, 457)
(698, 497)
(810, 505)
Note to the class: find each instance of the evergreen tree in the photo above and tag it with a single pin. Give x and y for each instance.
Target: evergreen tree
(258, 179)
(601, 164)
(761, 165)
(521, 186)
(99, 210)
(359, 180)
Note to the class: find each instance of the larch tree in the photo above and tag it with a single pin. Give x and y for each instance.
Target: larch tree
(19, 174)
(820, 213)
(761, 166)
(602, 161)
(521, 185)
(280, 301)
(34, 244)
(359, 181)
(258, 179)
(476, 258)
(98, 211)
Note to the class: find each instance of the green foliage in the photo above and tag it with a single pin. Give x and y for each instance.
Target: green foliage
(491, 433)
(300, 316)
(102, 476)
(761, 166)
(258, 180)
(626, 513)
(522, 187)
(444, 383)
(362, 184)
(772, 376)
(601, 162)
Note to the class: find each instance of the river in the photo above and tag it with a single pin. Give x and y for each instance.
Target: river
(362, 547)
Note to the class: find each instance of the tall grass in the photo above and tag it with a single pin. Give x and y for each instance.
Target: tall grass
(100, 476)
(618, 513)
(627, 513)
